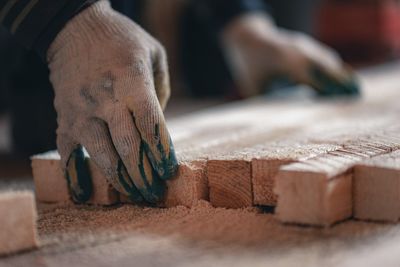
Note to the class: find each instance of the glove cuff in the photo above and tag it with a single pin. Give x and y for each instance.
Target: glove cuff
(91, 25)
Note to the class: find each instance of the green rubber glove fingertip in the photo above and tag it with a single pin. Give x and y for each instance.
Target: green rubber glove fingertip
(78, 176)
(330, 87)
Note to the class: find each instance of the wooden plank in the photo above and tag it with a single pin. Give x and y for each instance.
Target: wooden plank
(377, 188)
(18, 222)
(318, 191)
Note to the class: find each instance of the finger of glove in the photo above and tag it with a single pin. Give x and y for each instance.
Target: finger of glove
(150, 123)
(161, 77)
(130, 148)
(98, 143)
(76, 170)
(328, 84)
(156, 141)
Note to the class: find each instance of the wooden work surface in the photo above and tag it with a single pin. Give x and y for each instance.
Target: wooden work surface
(126, 235)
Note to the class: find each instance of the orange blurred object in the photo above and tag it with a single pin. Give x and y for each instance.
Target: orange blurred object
(362, 31)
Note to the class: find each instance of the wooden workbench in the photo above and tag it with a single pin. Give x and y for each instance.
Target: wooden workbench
(126, 235)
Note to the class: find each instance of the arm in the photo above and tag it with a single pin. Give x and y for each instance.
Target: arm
(35, 23)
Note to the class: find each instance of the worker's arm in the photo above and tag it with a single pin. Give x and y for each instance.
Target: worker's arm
(111, 84)
(258, 51)
(35, 23)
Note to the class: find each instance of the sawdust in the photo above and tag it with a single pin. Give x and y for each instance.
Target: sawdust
(83, 235)
(119, 235)
(202, 223)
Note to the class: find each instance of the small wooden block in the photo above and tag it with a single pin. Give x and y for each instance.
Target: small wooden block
(314, 198)
(189, 185)
(103, 192)
(377, 188)
(263, 178)
(18, 222)
(318, 191)
(51, 185)
(267, 160)
(230, 183)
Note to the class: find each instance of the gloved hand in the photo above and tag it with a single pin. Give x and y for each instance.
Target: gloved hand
(258, 52)
(111, 84)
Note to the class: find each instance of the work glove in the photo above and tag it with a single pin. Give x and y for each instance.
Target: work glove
(111, 84)
(259, 52)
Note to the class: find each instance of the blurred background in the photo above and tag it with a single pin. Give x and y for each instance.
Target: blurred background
(363, 32)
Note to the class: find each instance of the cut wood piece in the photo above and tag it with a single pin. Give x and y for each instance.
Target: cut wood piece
(377, 188)
(245, 177)
(189, 186)
(318, 191)
(230, 183)
(51, 186)
(18, 222)
(268, 158)
(103, 192)
(263, 180)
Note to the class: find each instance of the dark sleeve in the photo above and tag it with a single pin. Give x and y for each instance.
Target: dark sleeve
(223, 11)
(35, 23)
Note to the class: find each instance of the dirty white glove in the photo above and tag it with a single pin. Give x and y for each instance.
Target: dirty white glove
(258, 52)
(111, 84)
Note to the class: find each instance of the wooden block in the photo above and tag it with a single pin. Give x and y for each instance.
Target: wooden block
(18, 222)
(51, 185)
(318, 191)
(377, 188)
(267, 159)
(230, 183)
(263, 179)
(103, 192)
(189, 186)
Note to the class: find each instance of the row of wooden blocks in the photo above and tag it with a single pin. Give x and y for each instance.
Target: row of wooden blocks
(51, 186)
(317, 185)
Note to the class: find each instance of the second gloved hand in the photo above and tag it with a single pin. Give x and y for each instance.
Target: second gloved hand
(111, 84)
(258, 51)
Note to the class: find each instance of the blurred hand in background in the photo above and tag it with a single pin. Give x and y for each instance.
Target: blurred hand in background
(258, 52)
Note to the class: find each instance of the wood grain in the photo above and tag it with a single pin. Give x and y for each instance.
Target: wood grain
(377, 188)
(230, 183)
(318, 191)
